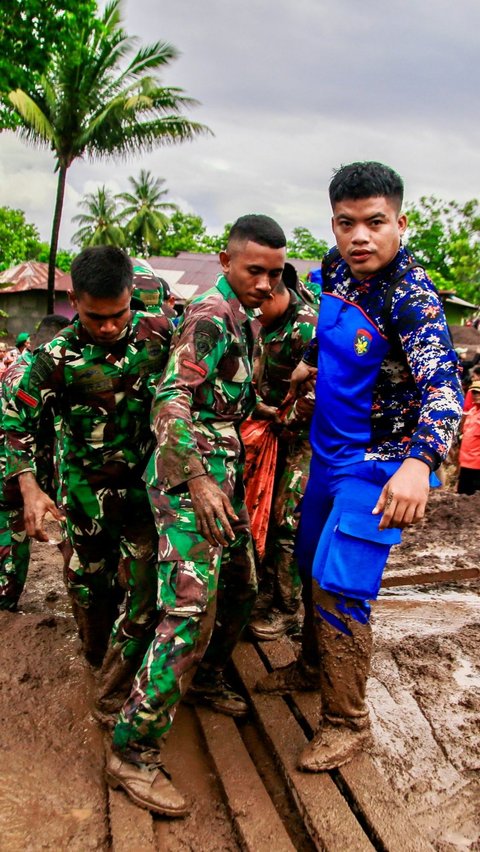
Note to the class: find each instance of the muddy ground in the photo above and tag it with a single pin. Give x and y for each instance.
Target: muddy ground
(424, 694)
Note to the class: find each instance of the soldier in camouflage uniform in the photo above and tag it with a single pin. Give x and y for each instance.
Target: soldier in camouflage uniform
(99, 375)
(207, 581)
(14, 542)
(150, 291)
(289, 324)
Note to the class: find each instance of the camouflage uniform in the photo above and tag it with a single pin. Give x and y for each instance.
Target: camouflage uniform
(103, 396)
(14, 542)
(278, 350)
(205, 394)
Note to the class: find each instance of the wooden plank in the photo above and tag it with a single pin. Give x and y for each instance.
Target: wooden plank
(382, 810)
(385, 813)
(416, 578)
(257, 822)
(327, 817)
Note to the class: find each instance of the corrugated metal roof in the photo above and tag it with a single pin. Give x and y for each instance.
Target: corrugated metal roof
(199, 271)
(32, 275)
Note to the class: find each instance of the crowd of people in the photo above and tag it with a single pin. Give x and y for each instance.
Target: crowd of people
(132, 428)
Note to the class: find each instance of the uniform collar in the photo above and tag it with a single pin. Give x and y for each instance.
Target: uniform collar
(241, 313)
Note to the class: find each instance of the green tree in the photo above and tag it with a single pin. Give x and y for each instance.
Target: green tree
(100, 224)
(304, 245)
(144, 213)
(30, 32)
(89, 103)
(184, 232)
(445, 237)
(64, 257)
(19, 240)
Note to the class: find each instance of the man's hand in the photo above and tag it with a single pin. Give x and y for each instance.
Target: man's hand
(36, 504)
(301, 373)
(212, 509)
(262, 411)
(404, 497)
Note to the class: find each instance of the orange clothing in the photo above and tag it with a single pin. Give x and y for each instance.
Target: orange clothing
(469, 455)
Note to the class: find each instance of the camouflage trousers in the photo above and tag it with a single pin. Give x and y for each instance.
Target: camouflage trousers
(205, 597)
(114, 542)
(279, 579)
(14, 556)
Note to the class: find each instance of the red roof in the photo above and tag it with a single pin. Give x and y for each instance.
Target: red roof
(32, 275)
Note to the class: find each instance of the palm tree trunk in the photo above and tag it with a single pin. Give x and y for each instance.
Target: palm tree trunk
(57, 217)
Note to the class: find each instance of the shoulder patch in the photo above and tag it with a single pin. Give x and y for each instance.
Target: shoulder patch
(42, 366)
(206, 337)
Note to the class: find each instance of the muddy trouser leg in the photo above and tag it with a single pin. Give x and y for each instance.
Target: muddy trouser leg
(14, 557)
(187, 603)
(237, 590)
(347, 569)
(284, 524)
(94, 526)
(344, 642)
(134, 629)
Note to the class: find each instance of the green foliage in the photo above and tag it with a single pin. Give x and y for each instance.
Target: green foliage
(100, 97)
(100, 224)
(445, 237)
(184, 232)
(144, 213)
(64, 257)
(31, 32)
(19, 240)
(304, 245)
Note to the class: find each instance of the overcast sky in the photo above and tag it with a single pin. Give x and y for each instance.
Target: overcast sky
(291, 89)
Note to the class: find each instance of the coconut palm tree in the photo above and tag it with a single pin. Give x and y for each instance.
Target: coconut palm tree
(99, 100)
(146, 220)
(100, 224)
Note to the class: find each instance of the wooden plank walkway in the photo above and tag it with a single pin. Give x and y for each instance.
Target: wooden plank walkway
(351, 809)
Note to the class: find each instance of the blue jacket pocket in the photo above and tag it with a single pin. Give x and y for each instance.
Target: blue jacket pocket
(356, 556)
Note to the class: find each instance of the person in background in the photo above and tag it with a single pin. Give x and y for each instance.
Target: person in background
(14, 542)
(469, 452)
(288, 325)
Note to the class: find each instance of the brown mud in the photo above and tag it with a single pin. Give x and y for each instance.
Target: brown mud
(424, 695)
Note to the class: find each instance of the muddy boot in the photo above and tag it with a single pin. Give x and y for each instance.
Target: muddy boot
(298, 676)
(210, 689)
(344, 638)
(332, 746)
(148, 786)
(274, 624)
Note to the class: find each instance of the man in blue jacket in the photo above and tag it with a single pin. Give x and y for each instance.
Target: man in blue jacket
(388, 403)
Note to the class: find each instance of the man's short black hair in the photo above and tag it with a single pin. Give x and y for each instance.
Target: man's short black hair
(48, 328)
(366, 180)
(102, 271)
(258, 228)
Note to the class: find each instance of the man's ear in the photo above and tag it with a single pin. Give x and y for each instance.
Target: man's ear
(224, 258)
(72, 299)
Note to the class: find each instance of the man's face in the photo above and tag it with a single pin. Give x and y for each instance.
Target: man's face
(368, 233)
(3, 351)
(253, 271)
(104, 319)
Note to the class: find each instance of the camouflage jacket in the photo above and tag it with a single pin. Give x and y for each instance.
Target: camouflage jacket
(102, 395)
(278, 350)
(206, 391)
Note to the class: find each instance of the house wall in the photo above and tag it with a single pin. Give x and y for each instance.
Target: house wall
(26, 309)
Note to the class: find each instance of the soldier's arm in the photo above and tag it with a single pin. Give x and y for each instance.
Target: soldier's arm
(21, 422)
